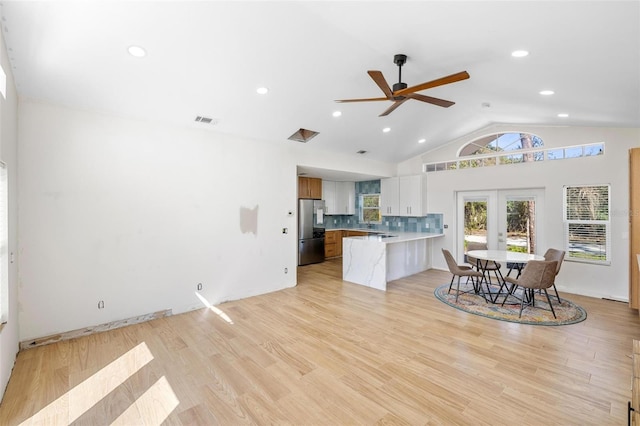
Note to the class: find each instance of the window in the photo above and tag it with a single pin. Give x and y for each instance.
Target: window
(370, 211)
(586, 223)
(504, 150)
(577, 151)
(500, 143)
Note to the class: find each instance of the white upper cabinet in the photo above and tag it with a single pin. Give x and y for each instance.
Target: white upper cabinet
(346, 197)
(413, 200)
(329, 196)
(390, 197)
(403, 196)
(339, 197)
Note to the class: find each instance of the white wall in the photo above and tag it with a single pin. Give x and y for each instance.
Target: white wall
(137, 213)
(8, 143)
(611, 168)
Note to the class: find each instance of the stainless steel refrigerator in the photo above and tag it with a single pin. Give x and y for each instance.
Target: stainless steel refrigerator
(310, 231)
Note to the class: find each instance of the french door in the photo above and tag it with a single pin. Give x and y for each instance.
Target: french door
(510, 220)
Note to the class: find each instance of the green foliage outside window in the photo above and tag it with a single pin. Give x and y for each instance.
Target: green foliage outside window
(371, 208)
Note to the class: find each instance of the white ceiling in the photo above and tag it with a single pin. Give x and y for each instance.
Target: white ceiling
(208, 58)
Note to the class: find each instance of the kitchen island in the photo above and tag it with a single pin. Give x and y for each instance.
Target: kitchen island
(374, 260)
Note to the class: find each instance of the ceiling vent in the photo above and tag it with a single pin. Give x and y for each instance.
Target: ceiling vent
(206, 120)
(303, 135)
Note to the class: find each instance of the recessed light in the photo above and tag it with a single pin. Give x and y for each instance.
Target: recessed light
(262, 90)
(519, 53)
(422, 141)
(386, 129)
(547, 92)
(337, 113)
(563, 115)
(137, 51)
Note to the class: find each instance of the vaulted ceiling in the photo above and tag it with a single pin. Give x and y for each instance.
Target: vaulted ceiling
(208, 58)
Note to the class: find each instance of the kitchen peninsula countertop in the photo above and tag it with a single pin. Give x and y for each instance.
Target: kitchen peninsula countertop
(374, 260)
(389, 237)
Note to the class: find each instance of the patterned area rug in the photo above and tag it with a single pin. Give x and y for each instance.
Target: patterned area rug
(567, 312)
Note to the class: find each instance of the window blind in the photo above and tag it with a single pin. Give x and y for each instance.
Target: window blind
(586, 223)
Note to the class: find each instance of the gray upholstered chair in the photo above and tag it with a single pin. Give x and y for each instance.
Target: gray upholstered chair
(462, 271)
(486, 266)
(558, 256)
(536, 275)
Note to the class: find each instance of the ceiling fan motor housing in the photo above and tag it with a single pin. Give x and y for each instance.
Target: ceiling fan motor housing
(400, 59)
(396, 87)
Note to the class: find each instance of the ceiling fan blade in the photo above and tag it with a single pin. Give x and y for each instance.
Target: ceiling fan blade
(395, 105)
(436, 101)
(434, 83)
(362, 100)
(381, 82)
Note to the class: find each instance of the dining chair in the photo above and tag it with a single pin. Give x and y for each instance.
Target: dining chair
(462, 271)
(487, 266)
(558, 256)
(536, 275)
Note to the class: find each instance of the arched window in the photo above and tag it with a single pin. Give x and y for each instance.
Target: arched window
(499, 143)
(510, 148)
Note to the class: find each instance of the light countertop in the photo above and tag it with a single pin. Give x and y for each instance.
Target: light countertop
(395, 237)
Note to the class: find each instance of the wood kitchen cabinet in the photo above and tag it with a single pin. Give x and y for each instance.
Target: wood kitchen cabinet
(309, 188)
(339, 197)
(403, 196)
(355, 233)
(332, 243)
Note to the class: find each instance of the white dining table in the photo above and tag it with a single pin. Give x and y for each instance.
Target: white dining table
(503, 256)
(511, 259)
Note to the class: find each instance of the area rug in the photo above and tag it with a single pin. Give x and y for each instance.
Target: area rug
(567, 312)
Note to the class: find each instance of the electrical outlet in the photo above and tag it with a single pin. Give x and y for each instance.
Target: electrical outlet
(285, 230)
(286, 270)
(199, 286)
(101, 304)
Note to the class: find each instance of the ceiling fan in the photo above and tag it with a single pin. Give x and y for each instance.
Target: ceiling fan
(401, 93)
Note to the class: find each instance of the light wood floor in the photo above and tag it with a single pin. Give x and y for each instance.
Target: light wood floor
(331, 352)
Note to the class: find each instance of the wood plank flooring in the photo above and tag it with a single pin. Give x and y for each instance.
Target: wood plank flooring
(330, 352)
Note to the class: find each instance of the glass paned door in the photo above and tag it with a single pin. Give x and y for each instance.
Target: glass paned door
(521, 225)
(520, 220)
(475, 221)
(504, 220)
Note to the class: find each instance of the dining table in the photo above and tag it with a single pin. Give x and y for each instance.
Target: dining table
(512, 260)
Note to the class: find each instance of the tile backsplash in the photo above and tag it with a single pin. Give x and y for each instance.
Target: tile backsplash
(431, 223)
